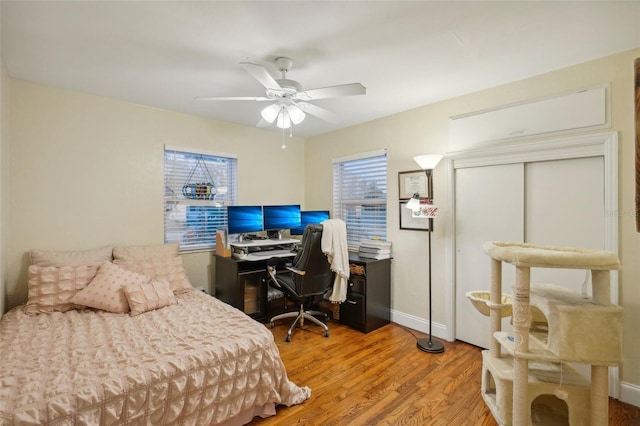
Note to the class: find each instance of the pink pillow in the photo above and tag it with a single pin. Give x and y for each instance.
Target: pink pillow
(105, 290)
(51, 288)
(93, 257)
(159, 251)
(148, 296)
(170, 269)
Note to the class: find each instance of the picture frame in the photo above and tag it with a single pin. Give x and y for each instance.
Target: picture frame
(411, 182)
(412, 221)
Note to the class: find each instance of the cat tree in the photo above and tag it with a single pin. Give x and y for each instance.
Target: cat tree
(533, 383)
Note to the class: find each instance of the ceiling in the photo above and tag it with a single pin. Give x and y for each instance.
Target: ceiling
(406, 53)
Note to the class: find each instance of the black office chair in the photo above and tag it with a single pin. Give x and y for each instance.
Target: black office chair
(308, 276)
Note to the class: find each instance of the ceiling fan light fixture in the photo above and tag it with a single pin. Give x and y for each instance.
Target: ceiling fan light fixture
(270, 113)
(296, 114)
(283, 121)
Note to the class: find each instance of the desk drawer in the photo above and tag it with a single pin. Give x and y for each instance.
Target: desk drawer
(358, 284)
(352, 311)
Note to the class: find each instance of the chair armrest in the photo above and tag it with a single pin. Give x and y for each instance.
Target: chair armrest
(271, 270)
(296, 271)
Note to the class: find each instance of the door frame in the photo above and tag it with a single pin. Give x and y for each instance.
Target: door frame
(579, 146)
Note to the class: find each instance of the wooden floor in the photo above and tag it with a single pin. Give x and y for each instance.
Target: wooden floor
(381, 378)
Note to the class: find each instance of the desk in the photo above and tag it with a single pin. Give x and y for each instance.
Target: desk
(243, 284)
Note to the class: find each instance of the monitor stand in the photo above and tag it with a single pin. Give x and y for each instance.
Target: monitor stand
(274, 235)
(249, 237)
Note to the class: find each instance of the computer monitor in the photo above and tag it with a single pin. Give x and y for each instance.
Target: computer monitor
(277, 218)
(243, 219)
(310, 218)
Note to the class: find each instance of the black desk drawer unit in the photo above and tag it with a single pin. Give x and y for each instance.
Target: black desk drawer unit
(368, 303)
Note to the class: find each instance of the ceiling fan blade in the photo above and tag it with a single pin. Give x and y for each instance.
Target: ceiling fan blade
(260, 73)
(263, 123)
(232, 98)
(318, 112)
(336, 91)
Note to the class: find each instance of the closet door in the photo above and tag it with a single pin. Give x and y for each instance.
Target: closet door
(565, 207)
(489, 207)
(555, 203)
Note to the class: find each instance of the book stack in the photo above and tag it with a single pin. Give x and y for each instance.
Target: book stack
(375, 249)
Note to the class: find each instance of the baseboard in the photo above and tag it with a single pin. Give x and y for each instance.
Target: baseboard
(630, 393)
(419, 324)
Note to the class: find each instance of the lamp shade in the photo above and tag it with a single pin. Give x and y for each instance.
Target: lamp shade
(414, 202)
(296, 114)
(283, 121)
(270, 113)
(428, 161)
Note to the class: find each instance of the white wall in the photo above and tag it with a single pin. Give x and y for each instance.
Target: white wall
(425, 130)
(87, 171)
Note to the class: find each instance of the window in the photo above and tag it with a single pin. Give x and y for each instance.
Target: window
(197, 188)
(360, 195)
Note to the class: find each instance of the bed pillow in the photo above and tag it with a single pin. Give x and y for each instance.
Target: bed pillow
(170, 269)
(143, 297)
(160, 251)
(51, 288)
(93, 257)
(105, 290)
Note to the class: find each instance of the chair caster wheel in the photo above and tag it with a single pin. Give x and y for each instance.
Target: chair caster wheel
(271, 324)
(326, 333)
(288, 338)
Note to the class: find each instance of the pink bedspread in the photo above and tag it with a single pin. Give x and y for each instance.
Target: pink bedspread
(197, 362)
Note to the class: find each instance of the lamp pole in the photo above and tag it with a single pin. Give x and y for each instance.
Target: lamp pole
(428, 344)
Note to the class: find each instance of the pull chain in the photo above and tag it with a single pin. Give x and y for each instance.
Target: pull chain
(284, 143)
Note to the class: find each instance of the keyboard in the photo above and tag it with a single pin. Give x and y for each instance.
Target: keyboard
(272, 253)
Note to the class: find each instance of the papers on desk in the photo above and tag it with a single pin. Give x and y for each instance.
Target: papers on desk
(375, 249)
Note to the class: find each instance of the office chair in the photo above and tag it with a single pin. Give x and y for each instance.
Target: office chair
(309, 275)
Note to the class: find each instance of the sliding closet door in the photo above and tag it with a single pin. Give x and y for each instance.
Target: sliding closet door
(556, 203)
(489, 207)
(565, 207)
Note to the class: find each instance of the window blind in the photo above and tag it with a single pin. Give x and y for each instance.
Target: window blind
(360, 197)
(197, 188)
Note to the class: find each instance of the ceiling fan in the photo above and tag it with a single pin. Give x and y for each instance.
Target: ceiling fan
(290, 101)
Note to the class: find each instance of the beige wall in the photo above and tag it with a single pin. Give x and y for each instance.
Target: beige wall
(87, 171)
(425, 130)
(4, 180)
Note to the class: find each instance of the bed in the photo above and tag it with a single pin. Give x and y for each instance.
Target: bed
(190, 359)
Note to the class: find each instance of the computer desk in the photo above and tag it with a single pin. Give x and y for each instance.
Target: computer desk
(243, 283)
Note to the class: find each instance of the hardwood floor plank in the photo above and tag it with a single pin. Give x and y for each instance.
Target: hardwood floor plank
(381, 378)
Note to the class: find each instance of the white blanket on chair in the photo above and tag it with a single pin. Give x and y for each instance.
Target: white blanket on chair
(334, 245)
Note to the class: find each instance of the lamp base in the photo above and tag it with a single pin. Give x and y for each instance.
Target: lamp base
(429, 345)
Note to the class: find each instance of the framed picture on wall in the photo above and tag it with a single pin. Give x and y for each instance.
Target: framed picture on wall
(414, 220)
(411, 182)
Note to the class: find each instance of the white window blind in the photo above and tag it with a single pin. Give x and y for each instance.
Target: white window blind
(360, 196)
(197, 188)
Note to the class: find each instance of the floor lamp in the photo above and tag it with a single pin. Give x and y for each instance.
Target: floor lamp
(428, 163)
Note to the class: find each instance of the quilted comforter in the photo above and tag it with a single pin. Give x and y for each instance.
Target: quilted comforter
(199, 361)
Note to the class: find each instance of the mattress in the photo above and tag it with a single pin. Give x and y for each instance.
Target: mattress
(199, 361)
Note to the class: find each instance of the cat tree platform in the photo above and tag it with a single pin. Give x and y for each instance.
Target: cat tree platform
(533, 384)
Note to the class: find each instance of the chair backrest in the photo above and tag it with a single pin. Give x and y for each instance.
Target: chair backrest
(318, 276)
